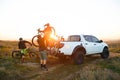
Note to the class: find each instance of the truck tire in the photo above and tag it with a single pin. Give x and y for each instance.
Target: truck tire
(78, 57)
(105, 53)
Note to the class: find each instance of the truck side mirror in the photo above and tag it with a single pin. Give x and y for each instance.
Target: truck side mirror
(101, 41)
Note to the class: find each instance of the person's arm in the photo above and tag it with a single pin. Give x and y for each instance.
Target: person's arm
(28, 42)
(40, 30)
(54, 30)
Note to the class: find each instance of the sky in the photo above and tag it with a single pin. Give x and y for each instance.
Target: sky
(22, 18)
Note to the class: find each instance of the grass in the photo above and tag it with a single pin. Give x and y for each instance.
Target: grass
(6, 48)
(9, 70)
(94, 73)
(114, 46)
(12, 71)
(101, 69)
(112, 64)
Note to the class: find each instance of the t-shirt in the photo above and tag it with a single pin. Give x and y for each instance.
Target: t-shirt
(22, 45)
(48, 30)
(42, 44)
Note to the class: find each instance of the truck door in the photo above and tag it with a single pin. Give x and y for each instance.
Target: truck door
(92, 44)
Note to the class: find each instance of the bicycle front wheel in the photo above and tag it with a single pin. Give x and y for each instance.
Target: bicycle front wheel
(34, 41)
(16, 54)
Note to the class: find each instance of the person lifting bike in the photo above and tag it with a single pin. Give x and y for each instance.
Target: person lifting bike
(48, 32)
(43, 42)
(52, 40)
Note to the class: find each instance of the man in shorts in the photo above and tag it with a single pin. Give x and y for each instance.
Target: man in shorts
(43, 52)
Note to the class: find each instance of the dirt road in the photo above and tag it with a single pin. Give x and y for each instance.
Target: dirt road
(39, 74)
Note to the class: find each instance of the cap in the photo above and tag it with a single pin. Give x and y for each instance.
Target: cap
(20, 38)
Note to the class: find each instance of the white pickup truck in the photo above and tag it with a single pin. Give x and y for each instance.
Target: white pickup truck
(77, 46)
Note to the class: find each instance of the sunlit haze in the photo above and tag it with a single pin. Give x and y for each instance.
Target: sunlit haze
(22, 18)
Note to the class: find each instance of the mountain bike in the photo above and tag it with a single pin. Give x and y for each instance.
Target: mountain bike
(52, 43)
(16, 54)
(48, 36)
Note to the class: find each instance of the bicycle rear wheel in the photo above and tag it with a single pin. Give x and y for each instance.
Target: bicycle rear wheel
(16, 54)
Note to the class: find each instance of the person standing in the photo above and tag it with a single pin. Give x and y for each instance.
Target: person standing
(43, 51)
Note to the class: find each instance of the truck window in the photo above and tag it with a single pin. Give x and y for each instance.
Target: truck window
(94, 39)
(90, 38)
(74, 38)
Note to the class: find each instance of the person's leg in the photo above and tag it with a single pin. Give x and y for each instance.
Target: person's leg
(41, 59)
(45, 60)
(24, 52)
(44, 65)
(41, 64)
(23, 58)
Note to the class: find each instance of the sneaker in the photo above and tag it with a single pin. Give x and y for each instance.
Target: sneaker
(45, 67)
(42, 67)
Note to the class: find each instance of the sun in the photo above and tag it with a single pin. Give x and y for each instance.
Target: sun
(53, 37)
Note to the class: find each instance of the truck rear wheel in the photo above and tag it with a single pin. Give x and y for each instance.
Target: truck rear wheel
(78, 57)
